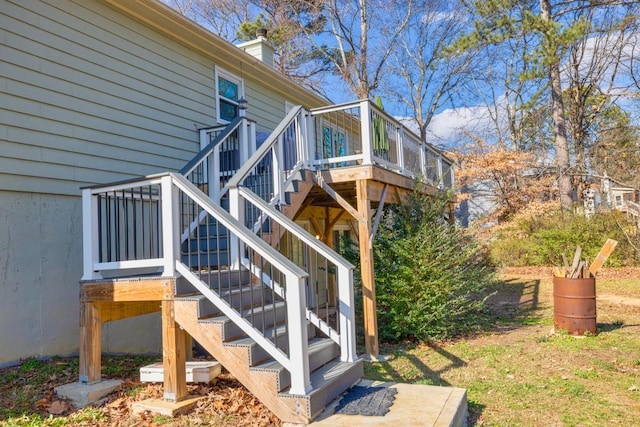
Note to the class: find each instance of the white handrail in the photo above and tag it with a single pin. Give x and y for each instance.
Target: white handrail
(259, 245)
(264, 148)
(294, 228)
(346, 338)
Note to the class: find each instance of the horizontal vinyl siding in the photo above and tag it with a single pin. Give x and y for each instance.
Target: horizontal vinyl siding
(91, 97)
(265, 108)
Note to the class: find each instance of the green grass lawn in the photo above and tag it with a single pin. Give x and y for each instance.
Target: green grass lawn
(523, 374)
(518, 373)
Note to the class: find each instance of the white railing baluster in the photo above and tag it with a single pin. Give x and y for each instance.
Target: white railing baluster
(298, 337)
(400, 138)
(346, 311)
(244, 144)
(170, 232)
(440, 175)
(236, 209)
(365, 123)
(252, 139)
(213, 164)
(301, 139)
(278, 166)
(90, 249)
(423, 160)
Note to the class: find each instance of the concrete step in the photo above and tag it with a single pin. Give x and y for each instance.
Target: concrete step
(414, 404)
(196, 372)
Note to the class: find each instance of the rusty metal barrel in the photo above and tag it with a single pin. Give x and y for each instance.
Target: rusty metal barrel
(574, 304)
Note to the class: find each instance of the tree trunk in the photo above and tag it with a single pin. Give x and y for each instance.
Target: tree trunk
(559, 121)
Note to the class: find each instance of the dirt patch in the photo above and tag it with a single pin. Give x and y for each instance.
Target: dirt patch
(620, 300)
(542, 272)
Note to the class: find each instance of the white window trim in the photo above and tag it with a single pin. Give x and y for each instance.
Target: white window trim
(220, 72)
(335, 129)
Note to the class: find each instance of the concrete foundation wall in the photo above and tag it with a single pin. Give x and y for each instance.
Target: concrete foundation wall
(40, 267)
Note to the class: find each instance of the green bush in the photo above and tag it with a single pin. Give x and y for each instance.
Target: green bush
(431, 278)
(542, 240)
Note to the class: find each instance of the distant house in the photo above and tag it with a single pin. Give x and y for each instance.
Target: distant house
(625, 199)
(213, 188)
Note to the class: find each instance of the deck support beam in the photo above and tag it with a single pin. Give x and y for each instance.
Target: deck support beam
(366, 266)
(174, 356)
(90, 343)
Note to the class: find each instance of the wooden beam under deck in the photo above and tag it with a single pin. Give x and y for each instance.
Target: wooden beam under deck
(118, 290)
(355, 191)
(114, 299)
(368, 273)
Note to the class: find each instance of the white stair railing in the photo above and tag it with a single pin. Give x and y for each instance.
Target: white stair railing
(152, 212)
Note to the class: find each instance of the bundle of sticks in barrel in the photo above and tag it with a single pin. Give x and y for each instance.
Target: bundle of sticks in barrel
(580, 268)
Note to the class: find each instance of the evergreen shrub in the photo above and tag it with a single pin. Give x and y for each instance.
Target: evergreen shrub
(431, 278)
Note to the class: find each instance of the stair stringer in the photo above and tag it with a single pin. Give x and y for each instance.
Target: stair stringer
(298, 197)
(291, 209)
(263, 384)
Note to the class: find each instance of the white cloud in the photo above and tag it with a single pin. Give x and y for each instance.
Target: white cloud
(451, 125)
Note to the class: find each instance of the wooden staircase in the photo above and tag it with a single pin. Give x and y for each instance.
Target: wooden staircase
(249, 363)
(294, 197)
(281, 323)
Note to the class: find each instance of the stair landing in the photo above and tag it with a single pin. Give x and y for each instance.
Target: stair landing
(414, 405)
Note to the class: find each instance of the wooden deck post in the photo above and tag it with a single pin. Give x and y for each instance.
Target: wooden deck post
(366, 266)
(174, 358)
(90, 343)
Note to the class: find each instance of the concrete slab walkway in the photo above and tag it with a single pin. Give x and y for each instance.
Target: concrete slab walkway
(414, 405)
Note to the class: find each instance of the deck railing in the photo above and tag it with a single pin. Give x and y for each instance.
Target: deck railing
(352, 134)
(225, 147)
(360, 133)
(154, 212)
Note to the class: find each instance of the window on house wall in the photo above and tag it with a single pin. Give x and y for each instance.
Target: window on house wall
(334, 143)
(229, 90)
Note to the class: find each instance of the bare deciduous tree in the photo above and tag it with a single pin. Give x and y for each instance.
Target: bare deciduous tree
(431, 73)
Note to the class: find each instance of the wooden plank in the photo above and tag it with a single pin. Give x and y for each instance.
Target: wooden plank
(128, 290)
(316, 227)
(332, 223)
(398, 180)
(376, 221)
(565, 264)
(121, 310)
(396, 196)
(90, 343)
(341, 201)
(348, 174)
(575, 265)
(174, 357)
(367, 271)
(602, 256)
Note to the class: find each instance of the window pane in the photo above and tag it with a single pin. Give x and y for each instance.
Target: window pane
(228, 111)
(227, 89)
